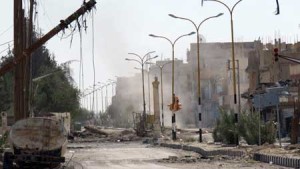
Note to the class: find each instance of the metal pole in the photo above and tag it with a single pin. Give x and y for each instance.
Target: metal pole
(233, 58)
(85, 102)
(239, 94)
(149, 95)
(162, 98)
(96, 101)
(278, 127)
(198, 63)
(259, 133)
(91, 102)
(106, 96)
(233, 69)
(173, 93)
(102, 99)
(173, 97)
(144, 103)
(239, 99)
(199, 88)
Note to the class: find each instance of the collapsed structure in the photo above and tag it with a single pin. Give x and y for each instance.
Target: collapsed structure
(256, 66)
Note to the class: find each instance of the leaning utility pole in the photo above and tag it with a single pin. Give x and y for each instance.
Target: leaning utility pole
(19, 41)
(22, 54)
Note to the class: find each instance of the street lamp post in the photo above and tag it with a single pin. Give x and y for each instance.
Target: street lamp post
(149, 94)
(198, 62)
(106, 97)
(97, 100)
(148, 74)
(142, 61)
(173, 93)
(233, 56)
(84, 95)
(238, 81)
(102, 100)
(112, 86)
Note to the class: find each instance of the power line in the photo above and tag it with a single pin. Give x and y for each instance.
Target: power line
(6, 43)
(6, 30)
(4, 50)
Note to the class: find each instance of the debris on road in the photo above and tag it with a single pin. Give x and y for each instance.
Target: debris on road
(98, 134)
(94, 129)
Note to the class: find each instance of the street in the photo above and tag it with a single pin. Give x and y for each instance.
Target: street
(135, 155)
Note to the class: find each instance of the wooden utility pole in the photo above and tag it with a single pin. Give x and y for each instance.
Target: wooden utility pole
(23, 51)
(28, 73)
(18, 48)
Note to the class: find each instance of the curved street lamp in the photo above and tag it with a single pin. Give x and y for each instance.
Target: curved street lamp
(232, 42)
(197, 27)
(173, 94)
(142, 61)
(149, 95)
(233, 56)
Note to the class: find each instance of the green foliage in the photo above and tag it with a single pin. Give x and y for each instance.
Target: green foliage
(52, 93)
(6, 86)
(217, 133)
(225, 130)
(268, 132)
(249, 127)
(80, 115)
(55, 93)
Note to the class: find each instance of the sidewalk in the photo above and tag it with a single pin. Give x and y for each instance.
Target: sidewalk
(288, 155)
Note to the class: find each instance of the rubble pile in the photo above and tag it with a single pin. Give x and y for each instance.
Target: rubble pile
(98, 134)
(194, 159)
(184, 159)
(95, 130)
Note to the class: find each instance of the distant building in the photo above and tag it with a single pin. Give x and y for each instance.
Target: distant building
(216, 79)
(216, 83)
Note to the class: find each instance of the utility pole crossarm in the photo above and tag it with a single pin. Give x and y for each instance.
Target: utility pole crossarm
(63, 24)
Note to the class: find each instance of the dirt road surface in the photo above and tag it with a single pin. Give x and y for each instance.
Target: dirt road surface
(135, 155)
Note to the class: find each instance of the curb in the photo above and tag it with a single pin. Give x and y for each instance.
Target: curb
(282, 161)
(204, 152)
(271, 159)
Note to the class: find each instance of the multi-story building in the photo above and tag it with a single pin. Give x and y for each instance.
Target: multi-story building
(216, 78)
(263, 69)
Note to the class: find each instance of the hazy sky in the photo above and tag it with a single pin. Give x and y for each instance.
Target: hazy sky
(122, 26)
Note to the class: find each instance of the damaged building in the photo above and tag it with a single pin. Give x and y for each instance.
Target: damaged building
(216, 83)
(265, 71)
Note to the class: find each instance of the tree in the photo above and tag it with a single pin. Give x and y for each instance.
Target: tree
(226, 129)
(55, 93)
(6, 86)
(248, 129)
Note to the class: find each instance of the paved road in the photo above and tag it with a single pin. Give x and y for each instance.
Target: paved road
(141, 156)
